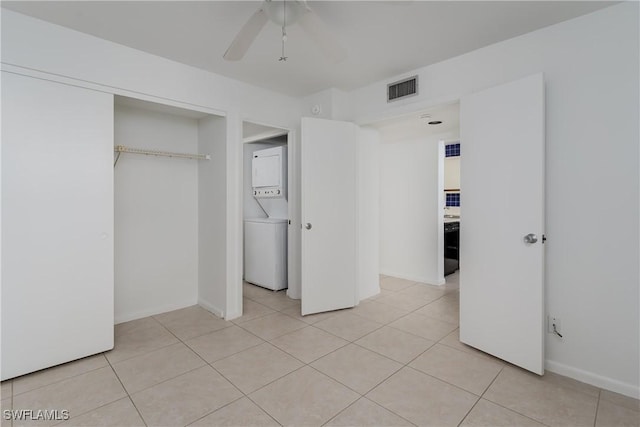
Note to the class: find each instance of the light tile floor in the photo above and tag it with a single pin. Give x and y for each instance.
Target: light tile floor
(394, 360)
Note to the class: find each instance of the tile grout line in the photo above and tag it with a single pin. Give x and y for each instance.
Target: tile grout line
(305, 364)
(269, 341)
(205, 364)
(194, 369)
(216, 410)
(268, 384)
(375, 352)
(317, 358)
(480, 397)
(348, 342)
(469, 411)
(406, 365)
(595, 418)
(504, 407)
(341, 383)
(180, 341)
(220, 373)
(262, 386)
(109, 363)
(260, 316)
(354, 342)
(126, 392)
(375, 403)
(516, 412)
(262, 409)
(138, 355)
(58, 381)
(272, 338)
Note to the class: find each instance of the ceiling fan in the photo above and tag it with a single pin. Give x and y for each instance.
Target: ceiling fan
(284, 13)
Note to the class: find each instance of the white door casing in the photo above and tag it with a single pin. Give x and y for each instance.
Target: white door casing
(329, 215)
(502, 199)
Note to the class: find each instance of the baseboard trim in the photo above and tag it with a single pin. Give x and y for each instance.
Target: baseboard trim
(593, 379)
(212, 308)
(121, 318)
(425, 280)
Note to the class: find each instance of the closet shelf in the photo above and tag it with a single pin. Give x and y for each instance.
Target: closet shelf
(122, 149)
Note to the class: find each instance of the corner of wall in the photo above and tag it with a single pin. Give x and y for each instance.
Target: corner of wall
(153, 311)
(593, 379)
(212, 308)
(332, 104)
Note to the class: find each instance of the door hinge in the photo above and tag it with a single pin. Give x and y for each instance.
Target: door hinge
(544, 238)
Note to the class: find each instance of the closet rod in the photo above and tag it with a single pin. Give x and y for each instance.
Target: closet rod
(122, 149)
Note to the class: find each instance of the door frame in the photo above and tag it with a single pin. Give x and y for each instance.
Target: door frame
(412, 109)
(234, 307)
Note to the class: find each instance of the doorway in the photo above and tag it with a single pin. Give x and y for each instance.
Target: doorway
(268, 200)
(416, 194)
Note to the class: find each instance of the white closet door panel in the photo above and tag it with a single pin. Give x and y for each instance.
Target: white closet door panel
(57, 223)
(502, 272)
(329, 215)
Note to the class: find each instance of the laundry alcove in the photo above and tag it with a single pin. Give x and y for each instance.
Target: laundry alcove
(266, 240)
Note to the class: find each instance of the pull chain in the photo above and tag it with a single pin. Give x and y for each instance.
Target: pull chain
(284, 31)
(284, 39)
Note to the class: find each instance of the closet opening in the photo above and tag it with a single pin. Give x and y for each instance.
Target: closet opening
(169, 209)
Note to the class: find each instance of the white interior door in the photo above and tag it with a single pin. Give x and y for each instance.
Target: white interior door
(57, 223)
(502, 201)
(329, 208)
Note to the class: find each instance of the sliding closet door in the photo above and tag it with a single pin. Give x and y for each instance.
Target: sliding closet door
(57, 223)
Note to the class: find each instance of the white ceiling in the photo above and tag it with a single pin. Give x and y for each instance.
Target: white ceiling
(383, 38)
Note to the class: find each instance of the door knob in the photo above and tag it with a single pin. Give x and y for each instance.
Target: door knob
(530, 238)
(308, 226)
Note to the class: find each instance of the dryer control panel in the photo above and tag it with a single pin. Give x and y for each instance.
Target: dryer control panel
(269, 173)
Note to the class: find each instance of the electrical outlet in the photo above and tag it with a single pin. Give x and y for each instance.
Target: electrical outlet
(554, 321)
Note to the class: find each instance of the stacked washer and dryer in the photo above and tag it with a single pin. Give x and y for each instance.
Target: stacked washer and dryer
(265, 239)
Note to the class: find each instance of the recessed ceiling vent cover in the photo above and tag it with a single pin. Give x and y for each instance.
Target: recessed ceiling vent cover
(402, 89)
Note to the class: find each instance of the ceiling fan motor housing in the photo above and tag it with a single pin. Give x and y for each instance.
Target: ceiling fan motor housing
(284, 13)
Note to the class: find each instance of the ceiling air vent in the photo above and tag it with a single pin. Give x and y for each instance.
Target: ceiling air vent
(402, 89)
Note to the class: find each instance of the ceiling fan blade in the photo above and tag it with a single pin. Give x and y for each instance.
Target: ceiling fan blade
(246, 36)
(322, 36)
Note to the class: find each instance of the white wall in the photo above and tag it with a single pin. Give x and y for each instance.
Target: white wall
(37, 45)
(34, 47)
(156, 214)
(591, 72)
(368, 212)
(212, 215)
(409, 209)
(331, 104)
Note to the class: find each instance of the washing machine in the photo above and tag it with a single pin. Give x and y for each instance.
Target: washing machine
(265, 252)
